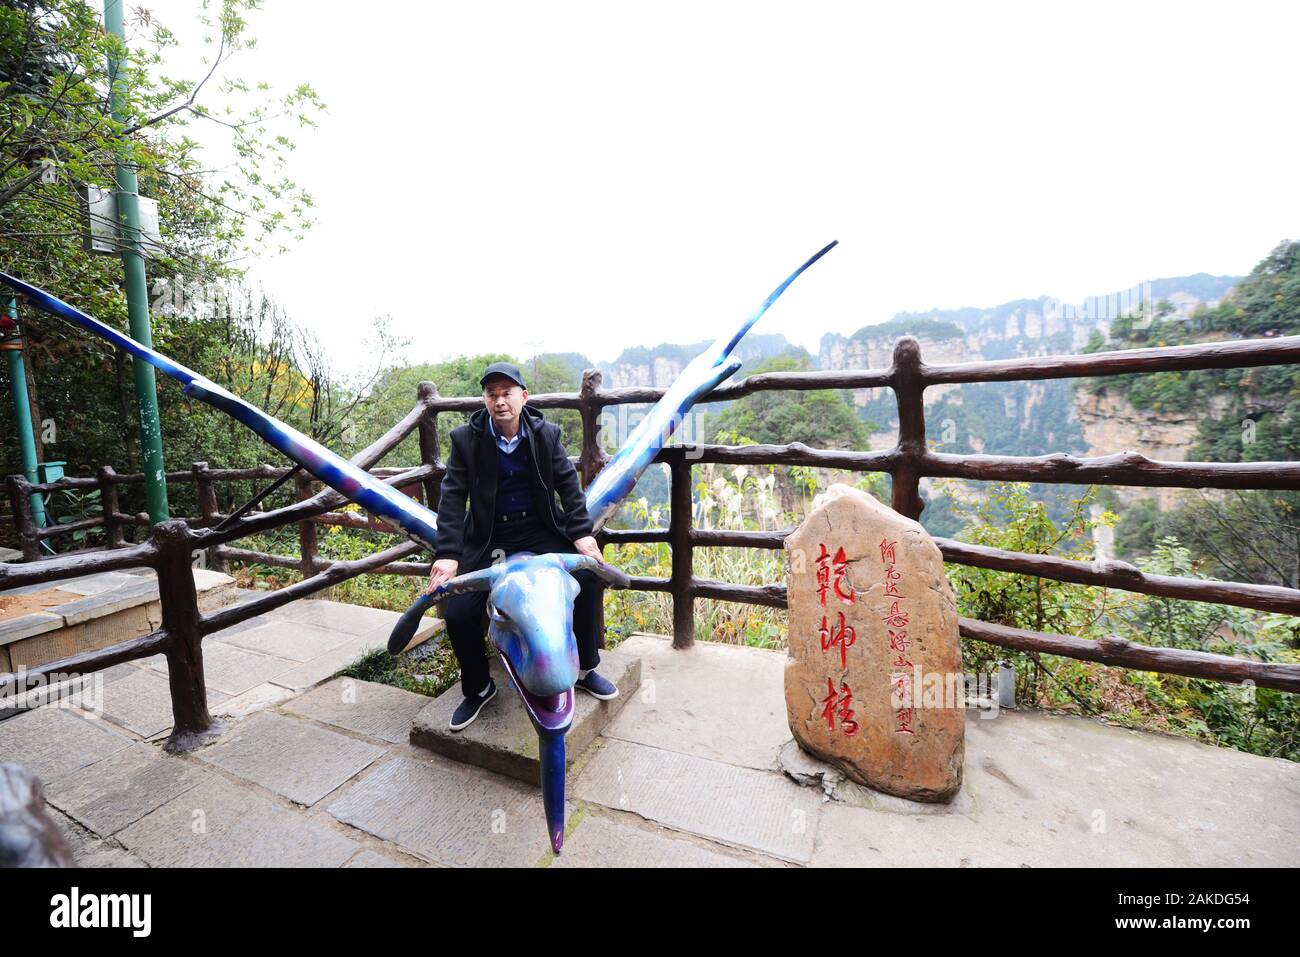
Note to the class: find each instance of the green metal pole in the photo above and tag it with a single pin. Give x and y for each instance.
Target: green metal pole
(23, 414)
(137, 292)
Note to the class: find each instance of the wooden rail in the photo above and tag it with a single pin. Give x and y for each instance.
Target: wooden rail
(169, 548)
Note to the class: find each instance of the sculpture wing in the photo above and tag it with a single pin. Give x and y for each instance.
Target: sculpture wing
(356, 484)
(711, 367)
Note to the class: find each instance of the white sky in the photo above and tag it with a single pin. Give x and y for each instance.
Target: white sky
(590, 176)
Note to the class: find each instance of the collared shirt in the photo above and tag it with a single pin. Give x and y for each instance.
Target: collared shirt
(506, 445)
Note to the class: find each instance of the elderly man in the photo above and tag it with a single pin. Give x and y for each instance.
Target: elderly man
(511, 463)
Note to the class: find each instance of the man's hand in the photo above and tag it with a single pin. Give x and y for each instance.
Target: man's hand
(442, 571)
(587, 546)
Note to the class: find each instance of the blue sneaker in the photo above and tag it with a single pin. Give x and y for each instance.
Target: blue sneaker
(468, 709)
(597, 687)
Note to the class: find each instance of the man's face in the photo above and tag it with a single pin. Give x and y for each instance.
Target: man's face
(504, 400)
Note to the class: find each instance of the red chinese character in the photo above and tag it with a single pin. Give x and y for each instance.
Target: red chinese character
(899, 642)
(896, 618)
(841, 568)
(845, 698)
(844, 636)
(887, 552)
(905, 716)
(823, 574)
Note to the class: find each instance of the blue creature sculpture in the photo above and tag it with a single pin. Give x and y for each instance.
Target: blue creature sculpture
(530, 605)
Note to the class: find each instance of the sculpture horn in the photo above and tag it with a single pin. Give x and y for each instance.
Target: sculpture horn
(409, 623)
(614, 577)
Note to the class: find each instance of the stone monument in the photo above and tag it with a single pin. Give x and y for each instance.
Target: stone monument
(874, 683)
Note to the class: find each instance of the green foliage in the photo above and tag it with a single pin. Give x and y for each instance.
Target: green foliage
(1259, 720)
(1249, 413)
(724, 498)
(1250, 719)
(393, 393)
(428, 675)
(821, 419)
(1007, 518)
(1246, 415)
(60, 134)
(63, 129)
(1251, 536)
(910, 326)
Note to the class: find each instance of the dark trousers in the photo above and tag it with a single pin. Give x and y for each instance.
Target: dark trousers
(464, 613)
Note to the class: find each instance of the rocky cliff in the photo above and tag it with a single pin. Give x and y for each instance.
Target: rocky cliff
(1110, 423)
(1012, 418)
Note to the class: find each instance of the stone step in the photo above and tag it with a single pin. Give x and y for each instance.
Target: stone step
(502, 739)
(94, 611)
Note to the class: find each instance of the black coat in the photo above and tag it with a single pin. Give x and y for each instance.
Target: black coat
(472, 471)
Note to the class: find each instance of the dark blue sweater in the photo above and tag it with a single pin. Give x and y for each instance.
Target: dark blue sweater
(514, 480)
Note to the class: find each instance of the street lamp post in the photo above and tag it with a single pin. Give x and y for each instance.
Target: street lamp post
(137, 293)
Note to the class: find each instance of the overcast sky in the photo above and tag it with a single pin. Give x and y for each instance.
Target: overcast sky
(553, 176)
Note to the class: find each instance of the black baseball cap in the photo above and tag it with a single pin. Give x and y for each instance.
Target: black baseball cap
(505, 369)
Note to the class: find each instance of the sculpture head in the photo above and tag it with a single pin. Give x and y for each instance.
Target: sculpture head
(530, 613)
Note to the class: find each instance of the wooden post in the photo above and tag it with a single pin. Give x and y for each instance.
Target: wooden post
(591, 457)
(210, 510)
(909, 389)
(428, 432)
(192, 724)
(108, 499)
(306, 528)
(679, 534)
(24, 522)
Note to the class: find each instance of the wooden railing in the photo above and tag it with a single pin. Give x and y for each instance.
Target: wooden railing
(911, 460)
(169, 551)
(171, 544)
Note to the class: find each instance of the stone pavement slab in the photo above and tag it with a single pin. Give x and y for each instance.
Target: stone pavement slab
(232, 670)
(366, 707)
(600, 841)
(265, 695)
(448, 813)
(85, 691)
(502, 739)
(721, 702)
(89, 850)
(221, 824)
(369, 858)
(740, 806)
(141, 701)
(294, 640)
(356, 620)
(122, 788)
(54, 741)
(313, 672)
(293, 758)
